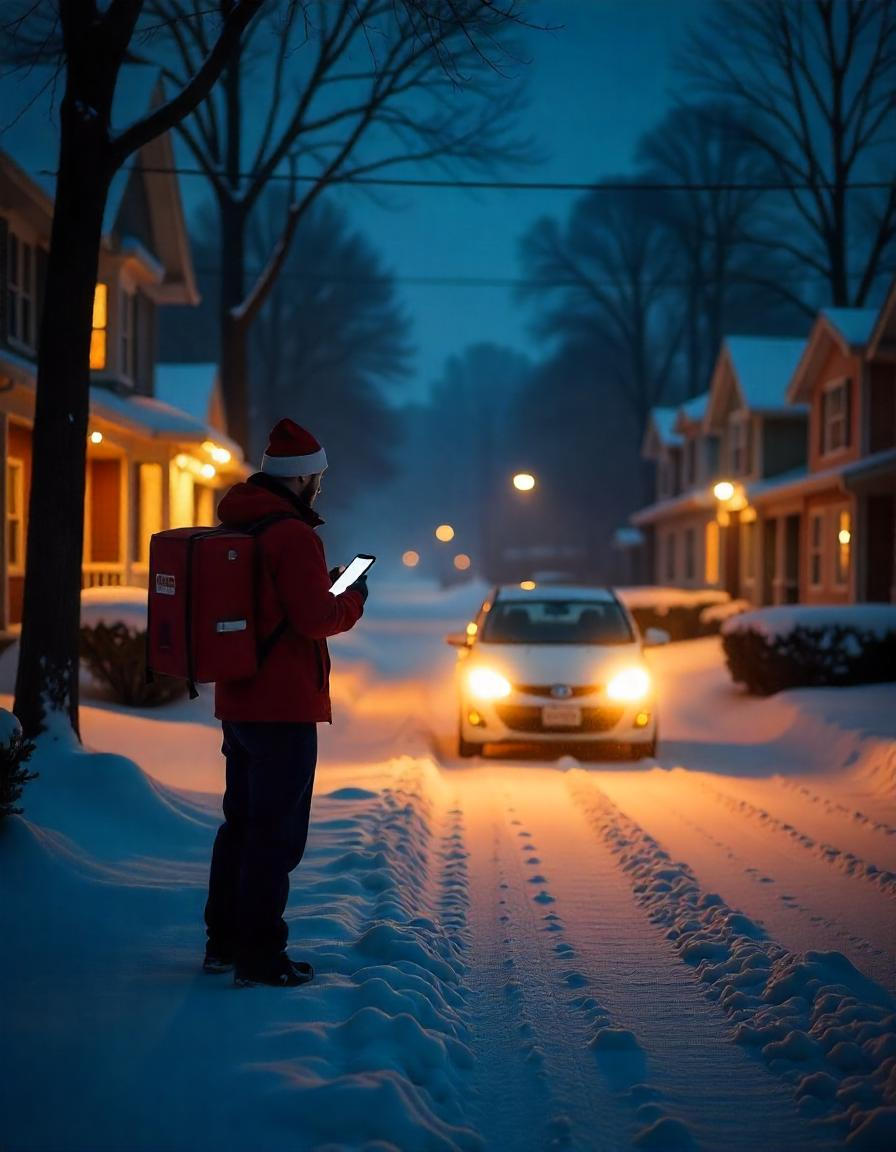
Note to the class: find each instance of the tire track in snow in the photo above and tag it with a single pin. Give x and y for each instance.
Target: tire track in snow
(844, 861)
(801, 902)
(526, 988)
(855, 815)
(822, 1026)
(663, 1049)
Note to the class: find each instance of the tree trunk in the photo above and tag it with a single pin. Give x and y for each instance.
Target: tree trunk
(234, 366)
(47, 677)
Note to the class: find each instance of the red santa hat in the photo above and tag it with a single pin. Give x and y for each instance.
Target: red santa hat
(292, 451)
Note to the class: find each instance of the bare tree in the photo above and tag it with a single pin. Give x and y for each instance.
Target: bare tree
(94, 44)
(710, 216)
(815, 83)
(611, 271)
(346, 89)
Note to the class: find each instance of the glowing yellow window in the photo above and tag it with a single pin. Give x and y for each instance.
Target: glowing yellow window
(100, 327)
(711, 573)
(844, 545)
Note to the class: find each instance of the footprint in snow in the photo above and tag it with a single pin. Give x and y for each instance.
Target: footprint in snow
(544, 897)
(538, 879)
(533, 860)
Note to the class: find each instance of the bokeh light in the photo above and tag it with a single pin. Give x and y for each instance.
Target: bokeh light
(524, 481)
(462, 561)
(444, 532)
(410, 559)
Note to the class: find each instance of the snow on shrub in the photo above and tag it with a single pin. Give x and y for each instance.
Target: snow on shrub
(719, 613)
(113, 646)
(678, 611)
(807, 646)
(15, 751)
(116, 657)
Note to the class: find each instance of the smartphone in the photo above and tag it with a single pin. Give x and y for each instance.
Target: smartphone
(356, 569)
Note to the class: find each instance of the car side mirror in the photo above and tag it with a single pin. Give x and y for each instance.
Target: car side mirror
(457, 639)
(654, 637)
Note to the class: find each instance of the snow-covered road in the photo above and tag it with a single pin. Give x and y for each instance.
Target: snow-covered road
(517, 953)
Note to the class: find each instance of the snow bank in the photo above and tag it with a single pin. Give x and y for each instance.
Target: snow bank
(109, 869)
(878, 619)
(122, 605)
(660, 596)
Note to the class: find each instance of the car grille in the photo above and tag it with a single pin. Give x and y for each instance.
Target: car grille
(527, 718)
(545, 690)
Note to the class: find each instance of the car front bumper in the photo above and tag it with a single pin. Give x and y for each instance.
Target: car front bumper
(520, 719)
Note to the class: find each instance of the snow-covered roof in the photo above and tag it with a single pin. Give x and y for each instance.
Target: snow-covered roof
(190, 387)
(763, 367)
(698, 500)
(154, 418)
(695, 408)
(855, 325)
(659, 432)
(848, 329)
(885, 325)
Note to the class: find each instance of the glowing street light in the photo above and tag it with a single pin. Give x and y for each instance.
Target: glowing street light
(723, 491)
(524, 481)
(527, 585)
(410, 559)
(444, 532)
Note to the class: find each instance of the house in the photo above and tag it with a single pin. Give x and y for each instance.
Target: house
(838, 517)
(151, 463)
(681, 523)
(761, 436)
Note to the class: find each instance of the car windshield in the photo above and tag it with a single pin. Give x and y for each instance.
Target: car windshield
(556, 622)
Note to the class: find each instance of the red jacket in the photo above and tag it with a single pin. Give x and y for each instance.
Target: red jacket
(292, 683)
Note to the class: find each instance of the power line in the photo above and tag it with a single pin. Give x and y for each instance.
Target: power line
(501, 282)
(529, 185)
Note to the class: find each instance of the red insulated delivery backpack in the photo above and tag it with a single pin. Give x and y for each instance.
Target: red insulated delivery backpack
(202, 601)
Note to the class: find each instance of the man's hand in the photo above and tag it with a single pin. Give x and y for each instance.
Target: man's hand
(336, 572)
(360, 585)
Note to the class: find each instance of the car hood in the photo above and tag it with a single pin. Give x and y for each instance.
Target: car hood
(556, 664)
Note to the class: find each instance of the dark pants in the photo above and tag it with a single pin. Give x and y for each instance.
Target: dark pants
(267, 804)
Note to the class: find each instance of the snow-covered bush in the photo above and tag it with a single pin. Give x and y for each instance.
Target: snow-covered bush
(811, 646)
(15, 751)
(678, 611)
(116, 656)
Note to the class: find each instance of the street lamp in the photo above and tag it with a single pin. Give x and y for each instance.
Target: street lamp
(524, 481)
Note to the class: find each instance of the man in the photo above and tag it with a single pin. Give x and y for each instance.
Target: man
(270, 720)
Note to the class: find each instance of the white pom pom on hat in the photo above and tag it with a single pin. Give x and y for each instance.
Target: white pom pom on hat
(292, 451)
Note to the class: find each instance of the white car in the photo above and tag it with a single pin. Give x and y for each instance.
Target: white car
(555, 664)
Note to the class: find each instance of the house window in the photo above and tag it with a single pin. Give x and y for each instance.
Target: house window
(711, 569)
(670, 556)
(15, 515)
(20, 291)
(129, 334)
(100, 327)
(816, 549)
(739, 443)
(842, 546)
(835, 421)
(148, 518)
(690, 559)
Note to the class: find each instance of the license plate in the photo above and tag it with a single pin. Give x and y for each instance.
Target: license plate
(561, 716)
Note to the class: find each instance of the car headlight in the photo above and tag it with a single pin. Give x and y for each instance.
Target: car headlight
(630, 684)
(485, 684)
